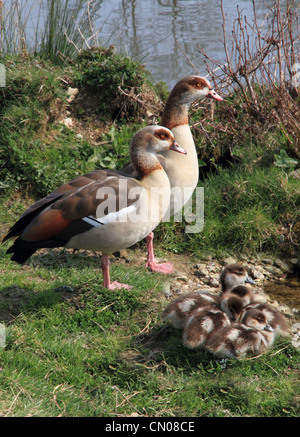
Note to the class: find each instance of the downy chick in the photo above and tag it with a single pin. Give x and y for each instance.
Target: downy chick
(253, 335)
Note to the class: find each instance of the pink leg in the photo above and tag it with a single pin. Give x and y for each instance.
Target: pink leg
(106, 276)
(161, 268)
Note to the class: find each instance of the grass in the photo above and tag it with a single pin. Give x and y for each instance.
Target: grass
(75, 349)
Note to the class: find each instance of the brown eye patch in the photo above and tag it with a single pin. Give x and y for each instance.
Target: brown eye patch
(161, 134)
(199, 83)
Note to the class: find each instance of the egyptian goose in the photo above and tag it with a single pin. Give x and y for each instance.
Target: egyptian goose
(201, 324)
(274, 318)
(233, 275)
(180, 309)
(253, 335)
(103, 210)
(244, 293)
(231, 301)
(183, 172)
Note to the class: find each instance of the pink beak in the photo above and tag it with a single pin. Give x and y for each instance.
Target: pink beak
(175, 146)
(213, 95)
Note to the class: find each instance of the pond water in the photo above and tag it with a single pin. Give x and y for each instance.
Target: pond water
(153, 30)
(286, 292)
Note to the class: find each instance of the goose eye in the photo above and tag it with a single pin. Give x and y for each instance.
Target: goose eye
(162, 136)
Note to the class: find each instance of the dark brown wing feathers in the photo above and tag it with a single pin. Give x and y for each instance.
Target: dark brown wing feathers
(53, 220)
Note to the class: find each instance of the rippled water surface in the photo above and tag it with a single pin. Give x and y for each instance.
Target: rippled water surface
(152, 30)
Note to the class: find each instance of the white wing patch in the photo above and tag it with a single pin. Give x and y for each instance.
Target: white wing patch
(124, 215)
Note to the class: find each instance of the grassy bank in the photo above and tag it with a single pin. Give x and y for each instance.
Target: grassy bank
(75, 350)
(72, 348)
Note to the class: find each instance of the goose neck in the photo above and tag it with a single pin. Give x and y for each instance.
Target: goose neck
(145, 162)
(175, 114)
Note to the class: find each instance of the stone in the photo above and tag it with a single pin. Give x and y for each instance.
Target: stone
(181, 277)
(267, 261)
(274, 270)
(166, 289)
(214, 282)
(283, 266)
(257, 274)
(230, 260)
(68, 122)
(201, 273)
(296, 335)
(71, 92)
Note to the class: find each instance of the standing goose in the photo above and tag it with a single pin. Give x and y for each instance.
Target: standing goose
(182, 171)
(103, 210)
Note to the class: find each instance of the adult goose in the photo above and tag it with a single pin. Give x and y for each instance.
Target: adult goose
(103, 210)
(183, 170)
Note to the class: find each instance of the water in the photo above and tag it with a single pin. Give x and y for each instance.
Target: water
(152, 31)
(286, 292)
(164, 34)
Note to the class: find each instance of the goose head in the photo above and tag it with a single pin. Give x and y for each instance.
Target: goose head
(232, 305)
(191, 88)
(244, 293)
(256, 319)
(233, 275)
(146, 143)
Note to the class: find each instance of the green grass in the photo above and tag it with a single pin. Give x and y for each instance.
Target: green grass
(75, 349)
(245, 212)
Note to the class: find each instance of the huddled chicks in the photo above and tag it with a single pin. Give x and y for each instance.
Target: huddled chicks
(229, 325)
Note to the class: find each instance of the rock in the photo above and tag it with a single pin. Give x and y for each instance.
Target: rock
(274, 270)
(68, 122)
(295, 261)
(267, 273)
(166, 289)
(257, 274)
(230, 260)
(201, 272)
(72, 92)
(181, 277)
(213, 282)
(296, 335)
(267, 261)
(284, 266)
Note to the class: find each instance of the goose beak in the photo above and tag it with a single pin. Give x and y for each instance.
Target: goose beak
(175, 146)
(268, 328)
(250, 280)
(213, 95)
